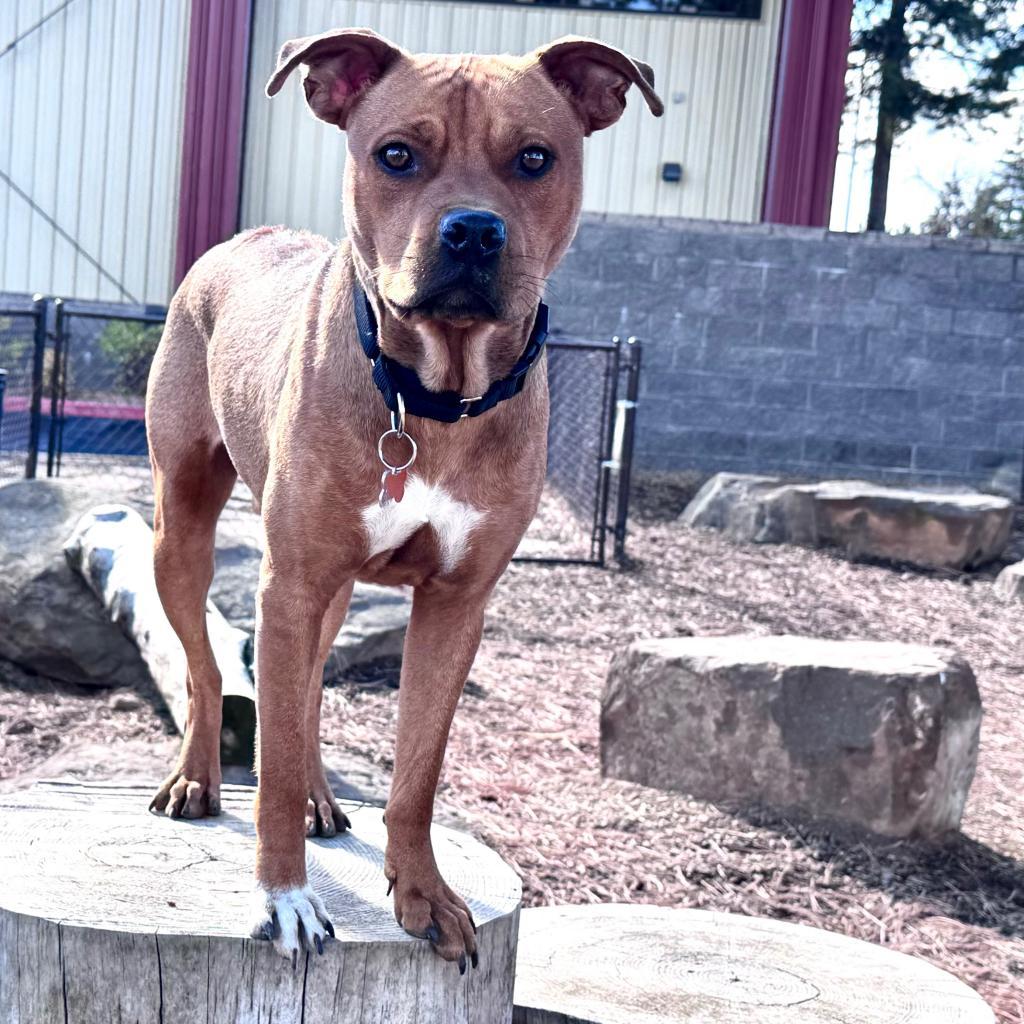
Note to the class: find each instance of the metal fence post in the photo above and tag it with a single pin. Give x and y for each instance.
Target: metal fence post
(35, 413)
(3, 388)
(57, 384)
(632, 352)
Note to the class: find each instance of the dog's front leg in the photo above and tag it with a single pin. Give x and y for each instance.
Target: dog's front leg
(441, 642)
(288, 622)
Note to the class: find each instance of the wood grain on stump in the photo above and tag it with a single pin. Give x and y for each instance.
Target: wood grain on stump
(619, 964)
(108, 913)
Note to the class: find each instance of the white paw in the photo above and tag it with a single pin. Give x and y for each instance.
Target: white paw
(294, 919)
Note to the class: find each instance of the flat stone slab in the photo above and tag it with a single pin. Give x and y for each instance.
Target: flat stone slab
(931, 529)
(1009, 583)
(883, 735)
(621, 964)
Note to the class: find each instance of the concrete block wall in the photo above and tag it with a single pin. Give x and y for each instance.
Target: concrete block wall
(805, 352)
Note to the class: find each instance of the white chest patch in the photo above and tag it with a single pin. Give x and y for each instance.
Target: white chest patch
(423, 505)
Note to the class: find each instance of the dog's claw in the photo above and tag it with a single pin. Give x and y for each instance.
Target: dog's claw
(329, 928)
(462, 963)
(474, 958)
(433, 934)
(319, 945)
(391, 885)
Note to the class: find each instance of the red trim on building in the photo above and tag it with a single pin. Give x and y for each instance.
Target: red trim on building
(809, 95)
(211, 156)
(90, 410)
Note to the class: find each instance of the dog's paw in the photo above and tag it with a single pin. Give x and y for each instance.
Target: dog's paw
(293, 919)
(323, 815)
(183, 795)
(430, 910)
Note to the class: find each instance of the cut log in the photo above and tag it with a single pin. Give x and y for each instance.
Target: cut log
(112, 548)
(108, 913)
(618, 964)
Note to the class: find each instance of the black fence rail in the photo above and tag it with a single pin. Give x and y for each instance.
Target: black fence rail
(74, 406)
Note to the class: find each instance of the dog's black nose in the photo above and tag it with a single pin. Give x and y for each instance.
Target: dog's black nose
(472, 236)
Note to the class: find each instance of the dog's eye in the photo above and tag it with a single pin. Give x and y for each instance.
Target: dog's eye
(535, 161)
(396, 157)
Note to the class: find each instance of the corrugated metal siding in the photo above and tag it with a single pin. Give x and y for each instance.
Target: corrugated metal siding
(715, 75)
(90, 128)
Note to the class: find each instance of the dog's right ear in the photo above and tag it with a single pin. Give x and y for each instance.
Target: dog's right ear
(341, 65)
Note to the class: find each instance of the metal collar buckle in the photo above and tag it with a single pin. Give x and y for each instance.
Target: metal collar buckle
(466, 403)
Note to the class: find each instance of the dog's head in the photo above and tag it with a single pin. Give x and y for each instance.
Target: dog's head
(464, 178)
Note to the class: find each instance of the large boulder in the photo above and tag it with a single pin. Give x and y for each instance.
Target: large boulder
(931, 529)
(50, 622)
(1010, 582)
(377, 617)
(374, 628)
(884, 735)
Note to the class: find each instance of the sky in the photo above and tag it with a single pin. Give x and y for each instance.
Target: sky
(924, 158)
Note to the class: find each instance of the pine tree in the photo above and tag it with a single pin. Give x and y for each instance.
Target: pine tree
(996, 209)
(986, 37)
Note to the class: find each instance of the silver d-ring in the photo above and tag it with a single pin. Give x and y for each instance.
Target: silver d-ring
(380, 450)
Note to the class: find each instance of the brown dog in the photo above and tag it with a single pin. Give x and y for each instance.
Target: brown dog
(462, 192)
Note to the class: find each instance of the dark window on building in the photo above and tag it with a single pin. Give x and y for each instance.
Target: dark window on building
(713, 8)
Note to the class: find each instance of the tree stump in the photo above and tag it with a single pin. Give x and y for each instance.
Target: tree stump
(108, 913)
(620, 964)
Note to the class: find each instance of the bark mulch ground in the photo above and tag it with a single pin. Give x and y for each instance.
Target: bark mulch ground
(523, 760)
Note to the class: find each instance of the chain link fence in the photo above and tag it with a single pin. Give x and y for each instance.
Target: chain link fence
(74, 407)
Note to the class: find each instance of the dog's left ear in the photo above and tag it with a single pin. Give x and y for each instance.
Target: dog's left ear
(341, 65)
(596, 78)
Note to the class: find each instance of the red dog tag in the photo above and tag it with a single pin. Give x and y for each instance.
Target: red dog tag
(394, 485)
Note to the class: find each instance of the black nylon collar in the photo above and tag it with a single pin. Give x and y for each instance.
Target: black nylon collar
(392, 377)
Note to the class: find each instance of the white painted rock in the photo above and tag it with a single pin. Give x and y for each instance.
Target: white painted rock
(108, 913)
(1009, 583)
(620, 964)
(884, 735)
(931, 529)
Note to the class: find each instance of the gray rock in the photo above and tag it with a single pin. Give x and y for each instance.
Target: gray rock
(930, 529)
(1009, 583)
(884, 735)
(377, 616)
(374, 628)
(50, 623)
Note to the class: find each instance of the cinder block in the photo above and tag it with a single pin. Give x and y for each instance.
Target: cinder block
(969, 433)
(874, 453)
(900, 402)
(830, 451)
(789, 394)
(982, 323)
(837, 398)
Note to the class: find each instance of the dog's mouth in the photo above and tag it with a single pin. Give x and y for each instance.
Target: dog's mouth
(467, 295)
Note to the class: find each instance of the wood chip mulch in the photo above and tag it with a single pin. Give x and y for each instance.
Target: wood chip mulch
(523, 758)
